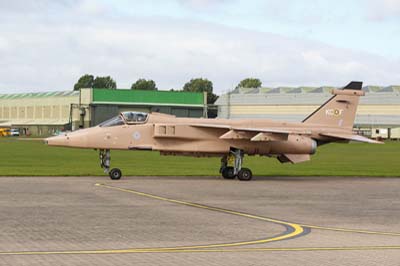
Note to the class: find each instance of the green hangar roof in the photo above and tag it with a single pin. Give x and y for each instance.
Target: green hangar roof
(177, 98)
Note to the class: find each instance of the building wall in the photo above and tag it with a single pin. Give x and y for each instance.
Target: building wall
(43, 114)
(39, 113)
(384, 133)
(19, 110)
(395, 133)
(376, 109)
(105, 104)
(40, 130)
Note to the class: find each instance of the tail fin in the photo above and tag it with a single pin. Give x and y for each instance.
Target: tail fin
(340, 110)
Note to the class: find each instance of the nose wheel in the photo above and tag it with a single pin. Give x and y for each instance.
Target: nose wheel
(105, 159)
(230, 172)
(115, 174)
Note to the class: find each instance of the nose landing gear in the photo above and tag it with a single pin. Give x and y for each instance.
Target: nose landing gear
(105, 159)
(115, 174)
(229, 172)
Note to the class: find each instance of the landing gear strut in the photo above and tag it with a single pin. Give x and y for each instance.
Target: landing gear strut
(105, 158)
(229, 172)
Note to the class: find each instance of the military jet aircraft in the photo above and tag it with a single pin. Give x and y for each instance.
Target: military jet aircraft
(226, 138)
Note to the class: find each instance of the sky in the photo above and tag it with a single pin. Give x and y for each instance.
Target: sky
(46, 45)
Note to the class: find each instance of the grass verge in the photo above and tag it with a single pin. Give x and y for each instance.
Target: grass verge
(33, 158)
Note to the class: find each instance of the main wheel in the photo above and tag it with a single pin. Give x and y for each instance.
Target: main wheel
(245, 174)
(115, 174)
(228, 173)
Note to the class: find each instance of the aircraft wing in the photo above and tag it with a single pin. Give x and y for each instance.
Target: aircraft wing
(252, 129)
(350, 137)
(254, 134)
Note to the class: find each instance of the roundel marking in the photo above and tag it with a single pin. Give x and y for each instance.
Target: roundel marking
(136, 135)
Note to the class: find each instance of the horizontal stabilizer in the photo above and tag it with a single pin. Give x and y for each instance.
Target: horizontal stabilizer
(350, 137)
(293, 158)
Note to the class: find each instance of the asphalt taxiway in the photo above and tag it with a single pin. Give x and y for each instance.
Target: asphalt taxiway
(199, 220)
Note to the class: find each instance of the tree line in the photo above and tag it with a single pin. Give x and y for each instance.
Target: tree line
(194, 85)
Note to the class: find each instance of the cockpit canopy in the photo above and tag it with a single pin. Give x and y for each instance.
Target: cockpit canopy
(125, 118)
(134, 117)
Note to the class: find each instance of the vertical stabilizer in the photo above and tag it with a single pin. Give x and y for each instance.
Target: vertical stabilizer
(339, 110)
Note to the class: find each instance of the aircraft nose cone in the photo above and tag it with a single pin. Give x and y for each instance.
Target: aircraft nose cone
(61, 140)
(78, 139)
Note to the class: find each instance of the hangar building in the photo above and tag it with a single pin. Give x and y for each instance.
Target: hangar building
(43, 114)
(378, 114)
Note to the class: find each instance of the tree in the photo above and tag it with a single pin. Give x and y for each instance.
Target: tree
(142, 84)
(249, 83)
(104, 83)
(201, 85)
(86, 81)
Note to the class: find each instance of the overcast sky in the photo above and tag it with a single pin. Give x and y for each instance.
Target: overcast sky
(47, 45)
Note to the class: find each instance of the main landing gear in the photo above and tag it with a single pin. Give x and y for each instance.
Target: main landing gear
(105, 158)
(230, 172)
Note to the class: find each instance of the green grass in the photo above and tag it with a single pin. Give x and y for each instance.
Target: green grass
(33, 158)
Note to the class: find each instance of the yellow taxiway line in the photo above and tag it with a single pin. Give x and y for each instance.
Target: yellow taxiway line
(295, 225)
(293, 230)
(156, 250)
(296, 231)
(348, 230)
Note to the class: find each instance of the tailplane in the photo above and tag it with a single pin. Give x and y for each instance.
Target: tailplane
(339, 110)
